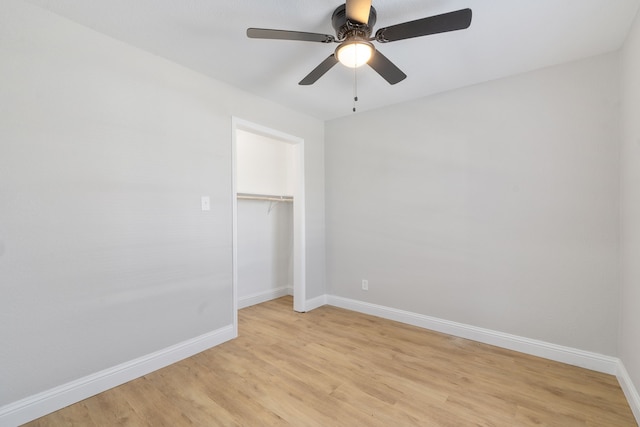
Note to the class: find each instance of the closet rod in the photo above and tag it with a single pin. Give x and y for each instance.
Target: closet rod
(271, 198)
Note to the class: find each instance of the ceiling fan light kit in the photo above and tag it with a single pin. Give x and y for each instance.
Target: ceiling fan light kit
(354, 53)
(353, 23)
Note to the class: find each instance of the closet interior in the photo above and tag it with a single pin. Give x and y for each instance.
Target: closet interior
(264, 191)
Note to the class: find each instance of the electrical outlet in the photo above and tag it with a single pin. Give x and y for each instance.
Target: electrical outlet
(365, 285)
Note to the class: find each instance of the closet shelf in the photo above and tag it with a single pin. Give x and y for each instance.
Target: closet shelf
(269, 197)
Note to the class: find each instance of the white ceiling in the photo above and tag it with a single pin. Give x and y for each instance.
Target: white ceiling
(506, 37)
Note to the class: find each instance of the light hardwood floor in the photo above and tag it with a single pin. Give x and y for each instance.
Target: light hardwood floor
(333, 367)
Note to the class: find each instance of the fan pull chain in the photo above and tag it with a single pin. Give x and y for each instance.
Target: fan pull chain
(355, 88)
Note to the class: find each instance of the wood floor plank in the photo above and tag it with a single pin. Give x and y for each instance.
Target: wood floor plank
(333, 367)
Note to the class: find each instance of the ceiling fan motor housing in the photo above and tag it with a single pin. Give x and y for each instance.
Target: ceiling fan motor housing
(346, 29)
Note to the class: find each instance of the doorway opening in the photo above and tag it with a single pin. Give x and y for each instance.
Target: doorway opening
(267, 178)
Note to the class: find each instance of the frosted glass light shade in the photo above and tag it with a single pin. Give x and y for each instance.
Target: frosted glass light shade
(354, 53)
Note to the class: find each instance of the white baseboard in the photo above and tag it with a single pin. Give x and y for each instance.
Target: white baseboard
(269, 295)
(571, 356)
(629, 389)
(264, 296)
(313, 303)
(43, 403)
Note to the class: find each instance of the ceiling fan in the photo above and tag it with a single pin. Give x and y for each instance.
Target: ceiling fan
(353, 23)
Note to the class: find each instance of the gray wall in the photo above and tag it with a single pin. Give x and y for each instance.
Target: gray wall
(630, 206)
(494, 205)
(105, 150)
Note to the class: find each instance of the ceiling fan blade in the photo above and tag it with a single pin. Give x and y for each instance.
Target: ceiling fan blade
(358, 11)
(319, 71)
(452, 21)
(386, 68)
(265, 33)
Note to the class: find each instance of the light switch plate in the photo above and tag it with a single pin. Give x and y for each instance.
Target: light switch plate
(206, 203)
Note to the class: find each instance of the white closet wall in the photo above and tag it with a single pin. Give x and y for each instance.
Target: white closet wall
(264, 165)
